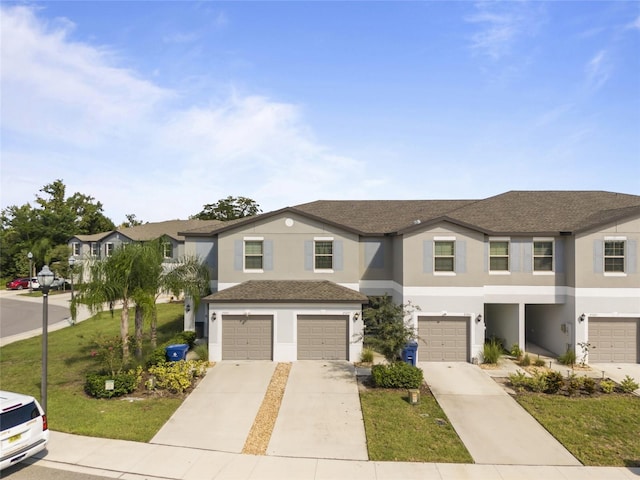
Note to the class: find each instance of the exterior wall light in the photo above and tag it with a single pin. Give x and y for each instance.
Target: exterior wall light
(478, 318)
(213, 316)
(582, 318)
(356, 316)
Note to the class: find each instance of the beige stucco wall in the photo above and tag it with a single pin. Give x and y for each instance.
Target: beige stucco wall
(288, 239)
(585, 268)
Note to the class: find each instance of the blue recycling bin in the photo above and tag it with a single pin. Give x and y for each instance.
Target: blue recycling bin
(177, 352)
(409, 353)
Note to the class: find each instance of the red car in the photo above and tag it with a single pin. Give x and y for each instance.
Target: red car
(20, 283)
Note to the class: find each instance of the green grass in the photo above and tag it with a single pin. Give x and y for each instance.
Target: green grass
(69, 359)
(398, 431)
(603, 430)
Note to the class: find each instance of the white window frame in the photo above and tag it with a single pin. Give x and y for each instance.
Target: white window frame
(108, 249)
(75, 249)
(167, 245)
(315, 255)
(623, 273)
(445, 273)
(534, 256)
(94, 249)
(244, 254)
(508, 270)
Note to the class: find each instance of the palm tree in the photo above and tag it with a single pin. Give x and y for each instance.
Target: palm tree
(111, 280)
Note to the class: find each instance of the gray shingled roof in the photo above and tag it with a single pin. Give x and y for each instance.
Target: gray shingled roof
(544, 211)
(515, 212)
(287, 291)
(151, 231)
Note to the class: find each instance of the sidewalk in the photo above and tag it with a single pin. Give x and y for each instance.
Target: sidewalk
(136, 461)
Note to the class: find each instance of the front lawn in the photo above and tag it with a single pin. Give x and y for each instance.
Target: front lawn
(69, 359)
(398, 431)
(602, 430)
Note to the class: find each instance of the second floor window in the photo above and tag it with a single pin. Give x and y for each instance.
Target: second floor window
(499, 256)
(543, 256)
(253, 254)
(323, 257)
(167, 250)
(614, 256)
(444, 256)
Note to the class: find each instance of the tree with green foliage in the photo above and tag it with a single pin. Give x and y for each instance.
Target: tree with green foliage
(43, 228)
(135, 276)
(386, 327)
(230, 208)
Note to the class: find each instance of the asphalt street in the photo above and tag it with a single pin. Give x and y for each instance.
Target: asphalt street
(25, 471)
(17, 316)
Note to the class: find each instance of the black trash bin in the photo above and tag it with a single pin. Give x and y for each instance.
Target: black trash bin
(409, 353)
(177, 352)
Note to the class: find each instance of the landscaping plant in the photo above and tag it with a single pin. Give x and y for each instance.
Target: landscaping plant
(492, 351)
(397, 375)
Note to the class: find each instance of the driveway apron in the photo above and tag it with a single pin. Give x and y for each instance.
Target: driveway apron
(219, 413)
(493, 426)
(320, 415)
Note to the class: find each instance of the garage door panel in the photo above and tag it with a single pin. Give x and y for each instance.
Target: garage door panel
(323, 337)
(614, 340)
(247, 338)
(443, 339)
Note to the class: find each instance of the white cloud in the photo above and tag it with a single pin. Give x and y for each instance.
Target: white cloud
(71, 111)
(597, 70)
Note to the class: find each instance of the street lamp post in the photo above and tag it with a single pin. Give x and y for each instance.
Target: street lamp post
(30, 257)
(45, 279)
(72, 262)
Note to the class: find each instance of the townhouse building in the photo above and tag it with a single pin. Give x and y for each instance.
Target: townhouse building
(553, 268)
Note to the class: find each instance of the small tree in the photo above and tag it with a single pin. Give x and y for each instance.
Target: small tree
(229, 208)
(386, 329)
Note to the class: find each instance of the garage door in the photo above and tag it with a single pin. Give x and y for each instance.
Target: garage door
(443, 339)
(247, 338)
(322, 337)
(613, 340)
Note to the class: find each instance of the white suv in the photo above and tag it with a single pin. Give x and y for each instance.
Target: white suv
(24, 429)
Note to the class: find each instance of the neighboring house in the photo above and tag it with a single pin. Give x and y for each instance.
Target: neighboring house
(101, 245)
(554, 268)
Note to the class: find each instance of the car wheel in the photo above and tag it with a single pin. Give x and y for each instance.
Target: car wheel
(19, 287)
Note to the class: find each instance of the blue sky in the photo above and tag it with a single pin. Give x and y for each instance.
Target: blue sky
(157, 108)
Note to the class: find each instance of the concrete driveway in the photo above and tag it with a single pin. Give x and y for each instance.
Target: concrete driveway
(617, 371)
(219, 413)
(320, 415)
(493, 427)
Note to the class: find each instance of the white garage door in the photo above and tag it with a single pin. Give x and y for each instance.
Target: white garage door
(247, 338)
(323, 337)
(613, 340)
(443, 339)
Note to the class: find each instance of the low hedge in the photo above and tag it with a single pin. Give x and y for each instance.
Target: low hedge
(159, 354)
(397, 375)
(123, 383)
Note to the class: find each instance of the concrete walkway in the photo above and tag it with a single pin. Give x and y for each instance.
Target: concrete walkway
(320, 415)
(137, 461)
(493, 427)
(219, 413)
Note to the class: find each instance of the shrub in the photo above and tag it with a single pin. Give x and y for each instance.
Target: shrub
(568, 358)
(574, 383)
(202, 351)
(540, 362)
(628, 385)
(158, 356)
(588, 385)
(538, 383)
(554, 382)
(366, 356)
(492, 351)
(186, 337)
(526, 361)
(397, 375)
(516, 351)
(123, 383)
(607, 386)
(177, 376)
(519, 380)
